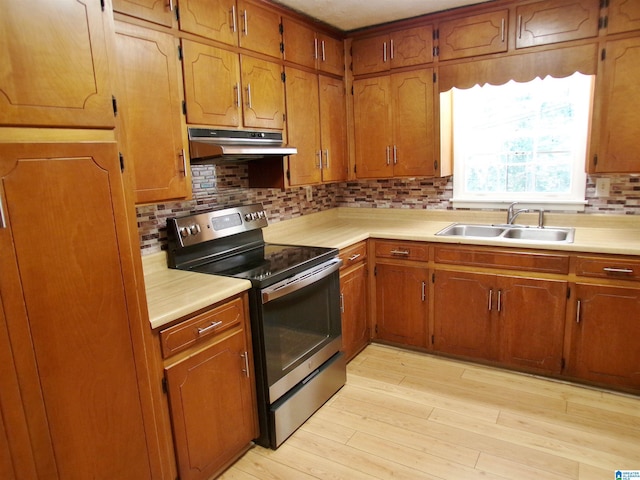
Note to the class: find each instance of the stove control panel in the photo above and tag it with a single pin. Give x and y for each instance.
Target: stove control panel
(201, 227)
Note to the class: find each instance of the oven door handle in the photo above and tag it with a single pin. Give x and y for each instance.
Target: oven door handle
(301, 280)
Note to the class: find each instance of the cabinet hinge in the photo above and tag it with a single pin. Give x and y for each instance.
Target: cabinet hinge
(102, 5)
(595, 159)
(184, 107)
(604, 3)
(351, 89)
(376, 329)
(288, 174)
(281, 47)
(569, 292)
(281, 28)
(433, 339)
(180, 56)
(435, 77)
(435, 165)
(114, 104)
(603, 22)
(164, 385)
(177, 9)
(436, 51)
(375, 271)
(562, 364)
(284, 77)
(603, 54)
(433, 277)
(121, 161)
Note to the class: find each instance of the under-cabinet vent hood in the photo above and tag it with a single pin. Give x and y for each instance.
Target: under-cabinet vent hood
(219, 146)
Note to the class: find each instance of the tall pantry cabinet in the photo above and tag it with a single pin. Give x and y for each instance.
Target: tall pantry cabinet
(78, 398)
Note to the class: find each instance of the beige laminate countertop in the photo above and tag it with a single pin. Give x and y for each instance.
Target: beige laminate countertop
(172, 294)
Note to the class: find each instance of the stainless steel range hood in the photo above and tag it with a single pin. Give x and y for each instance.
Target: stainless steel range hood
(211, 146)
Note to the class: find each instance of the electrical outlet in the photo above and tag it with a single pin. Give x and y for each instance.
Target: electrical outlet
(603, 185)
(309, 193)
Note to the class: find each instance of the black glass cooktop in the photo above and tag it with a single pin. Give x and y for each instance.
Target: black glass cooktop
(268, 263)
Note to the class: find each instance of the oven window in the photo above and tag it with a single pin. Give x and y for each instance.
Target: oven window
(299, 324)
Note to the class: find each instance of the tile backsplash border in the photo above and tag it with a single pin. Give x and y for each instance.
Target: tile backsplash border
(219, 187)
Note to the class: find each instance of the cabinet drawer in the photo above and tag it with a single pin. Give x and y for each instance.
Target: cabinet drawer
(496, 258)
(403, 250)
(605, 267)
(354, 254)
(190, 332)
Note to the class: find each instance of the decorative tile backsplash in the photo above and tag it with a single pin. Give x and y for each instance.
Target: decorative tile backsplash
(224, 186)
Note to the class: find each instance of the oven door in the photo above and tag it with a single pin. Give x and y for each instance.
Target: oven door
(301, 325)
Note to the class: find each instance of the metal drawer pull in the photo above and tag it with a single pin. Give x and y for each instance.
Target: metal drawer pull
(209, 328)
(400, 252)
(245, 370)
(499, 300)
(354, 257)
(490, 299)
(618, 270)
(424, 293)
(578, 312)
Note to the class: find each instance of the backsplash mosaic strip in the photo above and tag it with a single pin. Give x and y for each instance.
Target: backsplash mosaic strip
(223, 186)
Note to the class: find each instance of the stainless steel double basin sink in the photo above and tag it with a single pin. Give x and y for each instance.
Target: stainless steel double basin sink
(509, 233)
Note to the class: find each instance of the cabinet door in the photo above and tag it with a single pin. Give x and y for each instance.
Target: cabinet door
(401, 304)
(54, 69)
(211, 84)
(604, 343)
(68, 314)
(333, 129)
(155, 11)
(464, 323)
(619, 97)
(212, 406)
(214, 19)
(263, 93)
(475, 35)
(330, 54)
(624, 16)
(259, 28)
(300, 43)
(372, 119)
(370, 55)
(532, 317)
(303, 126)
(413, 124)
(552, 21)
(355, 327)
(149, 107)
(412, 46)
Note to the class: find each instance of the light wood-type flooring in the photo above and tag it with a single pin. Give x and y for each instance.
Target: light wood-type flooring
(407, 415)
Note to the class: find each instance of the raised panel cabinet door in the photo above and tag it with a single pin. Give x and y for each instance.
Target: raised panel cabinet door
(333, 129)
(480, 34)
(372, 119)
(263, 93)
(213, 19)
(68, 312)
(555, 21)
(259, 28)
(604, 343)
(532, 319)
(150, 106)
(618, 94)
(212, 406)
(401, 304)
(355, 326)
(413, 123)
(303, 126)
(412, 46)
(464, 323)
(623, 16)
(300, 43)
(330, 54)
(371, 55)
(156, 11)
(54, 69)
(211, 84)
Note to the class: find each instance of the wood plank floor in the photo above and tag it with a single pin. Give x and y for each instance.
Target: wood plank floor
(407, 415)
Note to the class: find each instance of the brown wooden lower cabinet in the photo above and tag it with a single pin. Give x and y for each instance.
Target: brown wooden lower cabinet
(211, 393)
(604, 335)
(355, 325)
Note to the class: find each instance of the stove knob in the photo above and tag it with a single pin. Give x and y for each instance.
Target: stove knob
(247, 217)
(184, 232)
(261, 214)
(194, 229)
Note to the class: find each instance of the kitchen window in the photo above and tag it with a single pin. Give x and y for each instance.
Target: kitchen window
(524, 142)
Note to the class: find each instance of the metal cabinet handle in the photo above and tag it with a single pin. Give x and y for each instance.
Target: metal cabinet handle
(184, 162)
(384, 52)
(578, 312)
(490, 299)
(391, 49)
(354, 257)
(3, 222)
(424, 292)
(404, 253)
(326, 158)
(249, 95)
(209, 328)
(245, 23)
(499, 300)
(395, 155)
(245, 356)
(234, 25)
(236, 89)
(342, 302)
(618, 270)
(502, 30)
(324, 57)
(388, 155)
(170, 5)
(319, 155)
(519, 26)
(315, 49)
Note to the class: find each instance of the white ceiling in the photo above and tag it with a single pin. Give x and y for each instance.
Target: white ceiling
(349, 15)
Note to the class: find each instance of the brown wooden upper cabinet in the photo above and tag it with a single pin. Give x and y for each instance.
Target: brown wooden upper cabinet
(623, 16)
(552, 21)
(55, 70)
(403, 48)
(308, 47)
(479, 34)
(154, 11)
(259, 28)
